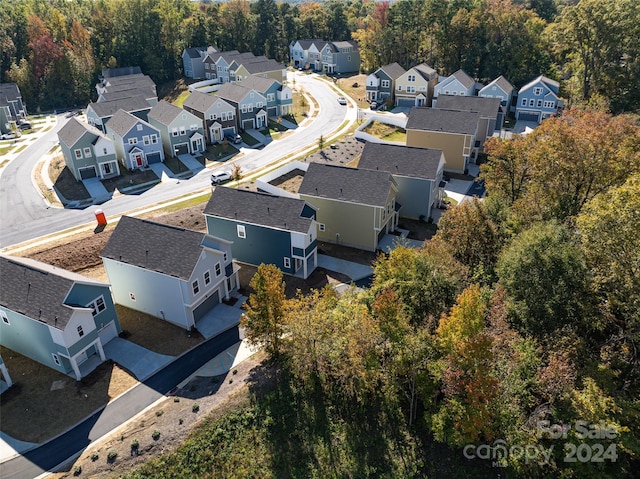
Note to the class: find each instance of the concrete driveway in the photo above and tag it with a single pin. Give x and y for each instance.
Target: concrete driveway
(96, 189)
(139, 361)
(355, 271)
(191, 163)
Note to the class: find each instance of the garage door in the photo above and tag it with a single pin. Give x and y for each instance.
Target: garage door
(406, 102)
(181, 149)
(272, 112)
(528, 116)
(107, 333)
(88, 172)
(248, 124)
(206, 306)
(154, 158)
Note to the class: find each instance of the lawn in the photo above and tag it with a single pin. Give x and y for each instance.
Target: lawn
(386, 132)
(248, 139)
(64, 181)
(216, 153)
(128, 179)
(354, 86)
(175, 165)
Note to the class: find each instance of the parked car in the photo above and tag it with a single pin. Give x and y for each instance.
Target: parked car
(25, 125)
(374, 105)
(8, 136)
(220, 177)
(342, 100)
(235, 139)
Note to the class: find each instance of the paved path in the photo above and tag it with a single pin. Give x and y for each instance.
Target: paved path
(139, 361)
(191, 163)
(355, 271)
(96, 189)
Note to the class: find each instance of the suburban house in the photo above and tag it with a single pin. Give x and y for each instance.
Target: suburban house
(538, 100)
(129, 91)
(250, 106)
(299, 52)
(218, 117)
(381, 84)
(355, 207)
(88, 153)
(452, 131)
(119, 72)
(137, 143)
(192, 64)
(416, 171)
(55, 317)
(490, 110)
(216, 65)
(121, 82)
(264, 68)
(279, 97)
(98, 114)
(340, 57)
(459, 84)
(171, 273)
(415, 86)
(500, 88)
(181, 132)
(265, 228)
(12, 110)
(5, 379)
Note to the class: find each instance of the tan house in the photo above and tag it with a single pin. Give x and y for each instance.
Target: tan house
(415, 86)
(452, 131)
(355, 207)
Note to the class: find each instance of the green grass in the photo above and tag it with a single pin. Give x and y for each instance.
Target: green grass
(215, 153)
(3, 164)
(20, 148)
(181, 98)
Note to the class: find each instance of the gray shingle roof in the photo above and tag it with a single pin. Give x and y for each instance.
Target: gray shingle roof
(394, 70)
(73, 130)
(463, 78)
(367, 187)
(199, 101)
(262, 66)
(259, 84)
(346, 44)
(487, 107)
(122, 122)
(122, 71)
(154, 246)
(401, 160)
(137, 79)
(231, 92)
(164, 112)
(10, 91)
(144, 92)
(194, 52)
(447, 121)
(305, 44)
(38, 290)
(108, 108)
(425, 71)
(258, 208)
(503, 83)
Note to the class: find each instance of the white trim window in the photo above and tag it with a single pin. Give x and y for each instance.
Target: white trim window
(523, 102)
(549, 104)
(321, 226)
(80, 331)
(539, 104)
(133, 141)
(218, 269)
(174, 132)
(537, 91)
(132, 296)
(411, 78)
(139, 127)
(532, 102)
(87, 152)
(207, 277)
(154, 139)
(5, 318)
(78, 153)
(183, 130)
(56, 359)
(195, 286)
(97, 305)
(145, 140)
(287, 262)
(241, 231)
(385, 83)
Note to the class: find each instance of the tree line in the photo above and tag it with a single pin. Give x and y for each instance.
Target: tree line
(522, 311)
(55, 49)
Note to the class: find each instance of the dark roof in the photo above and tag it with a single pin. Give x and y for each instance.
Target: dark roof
(346, 44)
(262, 66)
(463, 78)
(165, 112)
(10, 91)
(259, 84)
(425, 71)
(487, 107)
(108, 108)
(502, 82)
(232, 92)
(145, 92)
(38, 290)
(447, 121)
(154, 246)
(394, 70)
(401, 160)
(199, 101)
(135, 79)
(122, 122)
(258, 208)
(367, 187)
(73, 130)
(194, 52)
(117, 72)
(305, 44)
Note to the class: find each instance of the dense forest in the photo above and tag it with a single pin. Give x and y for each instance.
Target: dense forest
(54, 49)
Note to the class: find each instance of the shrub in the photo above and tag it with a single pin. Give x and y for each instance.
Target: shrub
(155, 435)
(77, 470)
(112, 455)
(176, 399)
(235, 371)
(195, 407)
(180, 421)
(135, 444)
(159, 413)
(94, 456)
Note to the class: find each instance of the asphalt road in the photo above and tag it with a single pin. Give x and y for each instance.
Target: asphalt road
(25, 216)
(46, 457)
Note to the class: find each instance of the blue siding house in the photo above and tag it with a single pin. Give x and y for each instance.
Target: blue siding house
(265, 229)
(538, 100)
(137, 143)
(55, 317)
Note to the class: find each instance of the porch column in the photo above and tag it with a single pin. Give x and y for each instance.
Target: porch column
(76, 370)
(5, 374)
(304, 268)
(98, 345)
(226, 289)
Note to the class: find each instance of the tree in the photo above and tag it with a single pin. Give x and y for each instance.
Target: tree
(264, 317)
(236, 173)
(321, 142)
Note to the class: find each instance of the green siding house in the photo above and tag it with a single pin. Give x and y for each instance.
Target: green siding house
(181, 131)
(56, 317)
(265, 229)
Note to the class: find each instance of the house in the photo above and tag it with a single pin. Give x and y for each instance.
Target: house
(264, 68)
(381, 84)
(355, 207)
(98, 114)
(217, 116)
(500, 88)
(126, 82)
(416, 171)
(538, 100)
(174, 274)
(88, 153)
(265, 228)
(55, 317)
(121, 71)
(129, 91)
(137, 143)
(490, 110)
(452, 131)
(250, 106)
(192, 64)
(415, 86)
(5, 379)
(279, 97)
(216, 65)
(459, 84)
(340, 57)
(181, 132)
(299, 52)
(12, 110)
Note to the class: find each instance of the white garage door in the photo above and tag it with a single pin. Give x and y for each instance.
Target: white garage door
(107, 333)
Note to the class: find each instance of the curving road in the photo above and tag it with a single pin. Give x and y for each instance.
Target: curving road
(25, 216)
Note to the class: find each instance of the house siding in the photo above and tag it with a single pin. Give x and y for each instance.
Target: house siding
(452, 145)
(85, 293)
(415, 196)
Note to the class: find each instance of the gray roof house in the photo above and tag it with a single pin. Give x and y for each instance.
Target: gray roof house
(459, 83)
(265, 228)
(137, 143)
(130, 91)
(251, 106)
(500, 88)
(355, 207)
(415, 86)
(279, 97)
(192, 64)
(55, 317)
(299, 51)
(88, 153)
(490, 110)
(217, 116)
(99, 113)
(416, 171)
(12, 110)
(381, 84)
(340, 57)
(174, 274)
(180, 130)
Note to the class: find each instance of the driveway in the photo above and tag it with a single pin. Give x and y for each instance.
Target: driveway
(524, 127)
(355, 271)
(162, 171)
(96, 189)
(219, 319)
(139, 361)
(191, 163)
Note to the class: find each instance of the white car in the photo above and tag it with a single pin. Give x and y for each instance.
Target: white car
(342, 100)
(8, 136)
(220, 177)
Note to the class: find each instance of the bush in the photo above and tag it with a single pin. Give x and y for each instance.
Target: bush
(94, 456)
(155, 435)
(195, 407)
(176, 399)
(77, 470)
(112, 455)
(180, 421)
(135, 444)
(159, 413)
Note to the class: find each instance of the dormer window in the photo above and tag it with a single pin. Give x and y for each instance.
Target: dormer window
(139, 127)
(537, 91)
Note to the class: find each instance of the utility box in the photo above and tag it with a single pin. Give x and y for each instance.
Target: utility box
(101, 218)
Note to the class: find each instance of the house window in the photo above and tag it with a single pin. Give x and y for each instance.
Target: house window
(241, 232)
(399, 88)
(193, 127)
(422, 88)
(184, 117)
(80, 331)
(549, 104)
(225, 256)
(411, 78)
(132, 296)
(139, 127)
(537, 91)
(287, 262)
(183, 130)
(97, 306)
(154, 139)
(104, 151)
(174, 132)
(133, 141)
(385, 83)
(230, 115)
(321, 226)
(271, 97)
(145, 140)
(87, 152)
(411, 89)
(78, 153)
(539, 104)
(56, 359)
(446, 92)
(207, 277)
(218, 269)
(523, 102)
(195, 286)
(5, 318)
(223, 116)
(259, 104)
(348, 58)
(212, 117)
(532, 102)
